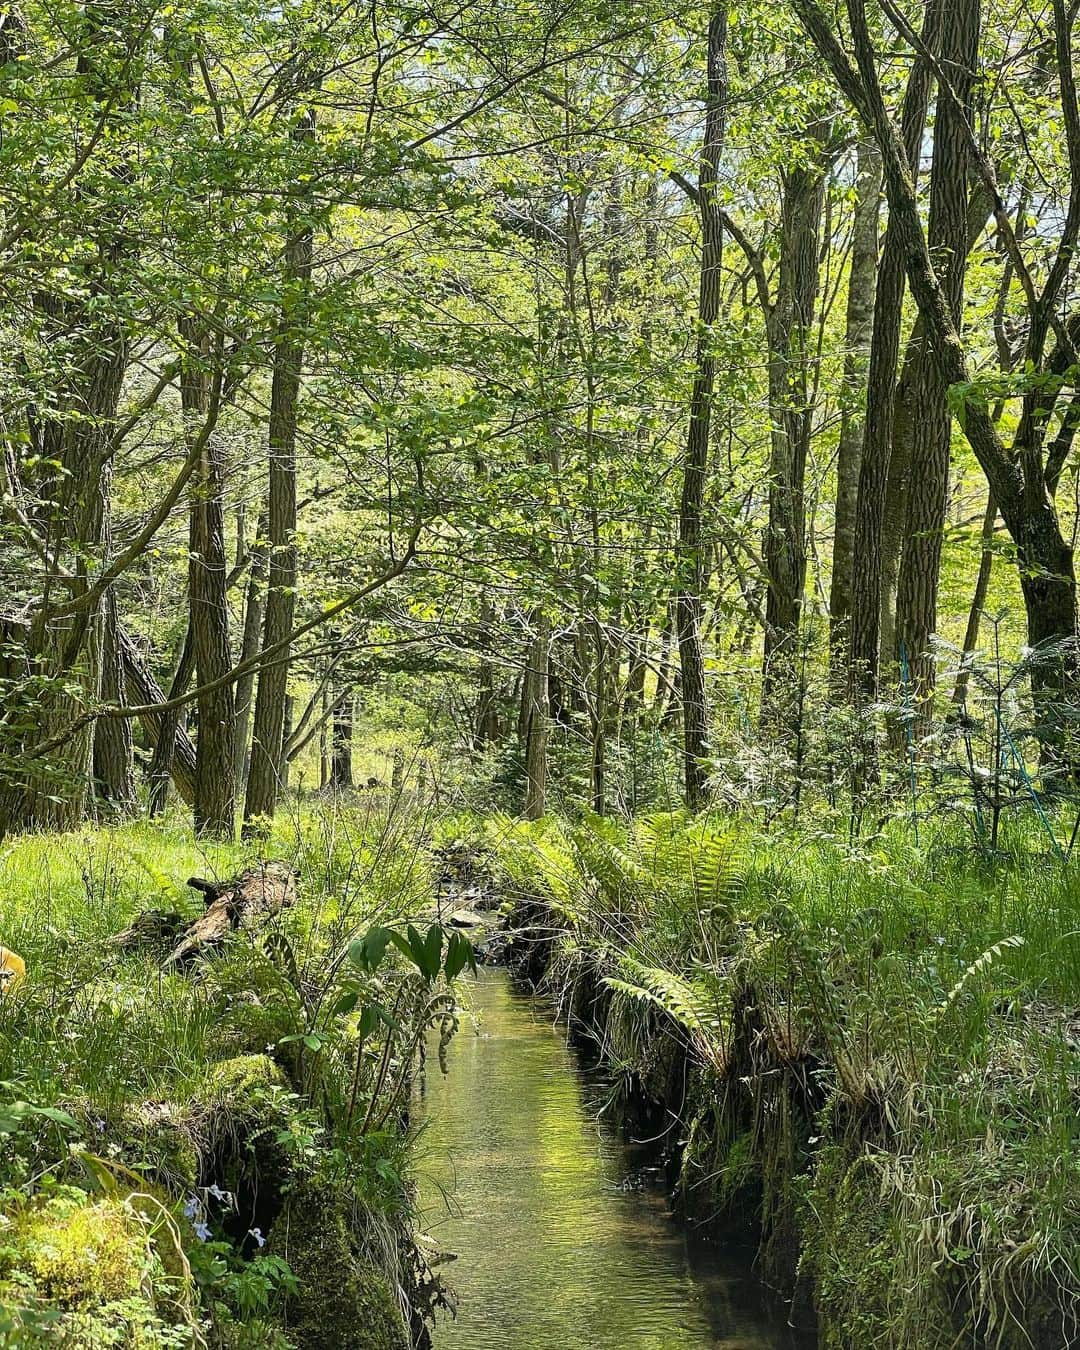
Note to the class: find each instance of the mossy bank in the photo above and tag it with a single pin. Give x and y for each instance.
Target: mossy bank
(217, 1156)
(865, 1057)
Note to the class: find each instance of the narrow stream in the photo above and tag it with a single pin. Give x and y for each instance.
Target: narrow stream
(563, 1242)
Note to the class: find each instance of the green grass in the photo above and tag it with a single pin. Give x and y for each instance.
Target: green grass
(883, 1042)
(105, 1057)
(879, 1026)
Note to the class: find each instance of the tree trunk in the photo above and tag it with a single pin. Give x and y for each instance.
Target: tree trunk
(324, 738)
(113, 745)
(859, 327)
(791, 323)
(690, 554)
(978, 604)
(144, 691)
(162, 764)
(911, 390)
(341, 765)
(534, 719)
(1016, 477)
(601, 715)
(249, 647)
(265, 774)
(909, 387)
(865, 648)
(214, 808)
(487, 713)
(947, 237)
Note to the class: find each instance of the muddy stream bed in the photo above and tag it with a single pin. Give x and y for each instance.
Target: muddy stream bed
(562, 1230)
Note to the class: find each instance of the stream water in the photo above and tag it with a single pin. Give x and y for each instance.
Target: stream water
(564, 1241)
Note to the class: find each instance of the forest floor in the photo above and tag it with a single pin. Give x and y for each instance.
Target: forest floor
(185, 1160)
(872, 1049)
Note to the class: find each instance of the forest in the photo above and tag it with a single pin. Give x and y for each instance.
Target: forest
(539, 674)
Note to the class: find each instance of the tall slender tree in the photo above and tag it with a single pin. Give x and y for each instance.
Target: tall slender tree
(862, 271)
(947, 237)
(691, 543)
(790, 337)
(266, 771)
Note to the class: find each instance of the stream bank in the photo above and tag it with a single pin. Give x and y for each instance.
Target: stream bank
(861, 1061)
(562, 1230)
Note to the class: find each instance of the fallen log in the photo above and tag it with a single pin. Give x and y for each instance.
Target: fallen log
(246, 901)
(153, 928)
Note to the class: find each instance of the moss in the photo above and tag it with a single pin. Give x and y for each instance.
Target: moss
(342, 1302)
(855, 1244)
(251, 1013)
(82, 1272)
(156, 1136)
(78, 1252)
(243, 1083)
(847, 1254)
(244, 1107)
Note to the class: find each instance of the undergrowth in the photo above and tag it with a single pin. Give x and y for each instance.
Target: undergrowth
(877, 1052)
(165, 1138)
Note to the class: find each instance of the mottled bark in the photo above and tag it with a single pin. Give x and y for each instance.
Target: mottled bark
(910, 391)
(791, 322)
(267, 767)
(143, 690)
(341, 763)
(114, 775)
(859, 324)
(249, 646)
(1016, 476)
(690, 553)
(865, 649)
(535, 719)
(214, 808)
(165, 736)
(978, 604)
(947, 238)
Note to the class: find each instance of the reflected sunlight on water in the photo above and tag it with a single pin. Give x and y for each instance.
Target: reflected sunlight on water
(556, 1251)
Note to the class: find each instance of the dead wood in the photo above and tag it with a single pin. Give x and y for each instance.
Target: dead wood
(248, 900)
(245, 901)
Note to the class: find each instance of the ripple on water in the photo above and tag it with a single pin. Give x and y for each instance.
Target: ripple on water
(555, 1250)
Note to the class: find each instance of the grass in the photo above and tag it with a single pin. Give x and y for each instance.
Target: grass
(873, 1047)
(220, 1093)
(883, 1043)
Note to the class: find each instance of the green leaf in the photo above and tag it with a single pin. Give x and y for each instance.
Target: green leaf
(367, 952)
(345, 1003)
(459, 954)
(433, 951)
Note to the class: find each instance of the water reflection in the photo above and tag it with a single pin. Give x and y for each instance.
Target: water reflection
(560, 1246)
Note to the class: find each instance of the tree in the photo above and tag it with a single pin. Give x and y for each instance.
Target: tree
(790, 331)
(690, 551)
(1016, 476)
(947, 239)
(266, 771)
(862, 272)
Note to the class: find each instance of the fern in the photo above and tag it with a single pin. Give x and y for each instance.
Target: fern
(618, 874)
(686, 1002)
